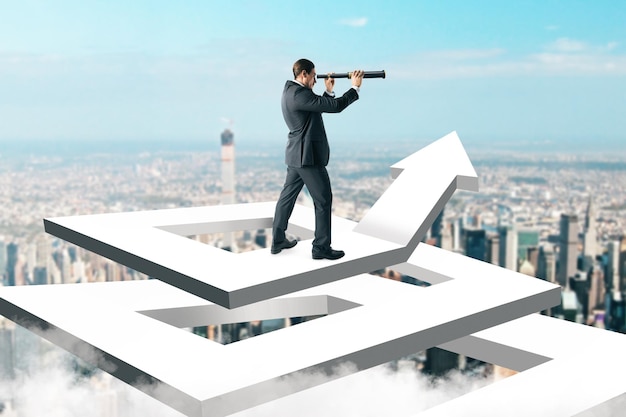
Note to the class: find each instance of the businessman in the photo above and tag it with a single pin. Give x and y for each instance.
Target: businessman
(307, 154)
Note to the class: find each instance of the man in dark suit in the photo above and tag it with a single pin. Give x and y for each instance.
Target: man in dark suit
(307, 154)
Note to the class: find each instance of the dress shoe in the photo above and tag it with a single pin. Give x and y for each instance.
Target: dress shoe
(329, 253)
(285, 244)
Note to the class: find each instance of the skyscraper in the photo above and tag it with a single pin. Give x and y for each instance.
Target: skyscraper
(622, 266)
(508, 247)
(228, 178)
(568, 243)
(493, 249)
(475, 243)
(596, 288)
(546, 263)
(12, 249)
(457, 226)
(446, 237)
(612, 278)
(40, 275)
(590, 243)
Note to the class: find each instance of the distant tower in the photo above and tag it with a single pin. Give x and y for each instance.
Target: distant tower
(43, 250)
(66, 266)
(493, 249)
(43, 259)
(612, 278)
(568, 243)
(446, 237)
(12, 253)
(508, 247)
(622, 266)
(590, 245)
(596, 288)
(546, 264)
(40, 275)
(228, 178)
(457, 226)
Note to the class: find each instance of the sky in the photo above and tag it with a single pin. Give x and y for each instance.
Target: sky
(533, 71)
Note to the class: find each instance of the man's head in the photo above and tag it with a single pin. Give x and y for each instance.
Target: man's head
(304, 72)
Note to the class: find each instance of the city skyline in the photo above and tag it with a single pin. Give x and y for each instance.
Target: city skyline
(535, 71)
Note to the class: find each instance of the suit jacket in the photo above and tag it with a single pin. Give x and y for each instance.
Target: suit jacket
(302, 109)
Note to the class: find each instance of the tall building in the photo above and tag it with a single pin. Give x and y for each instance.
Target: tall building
(446, 237)
(596, 289)
(590, 242)
(40, 275)
(475, 243)
(581, 284)
(493, 249)
(12, 258)
(546, 263)
(532, 256)
(615, 318)
(508, 247)
(568, 248)
(43, 250)
(440, 361)
(66, 266)
(621, 270)
(457, 226)
(612, 278)
(228, 178)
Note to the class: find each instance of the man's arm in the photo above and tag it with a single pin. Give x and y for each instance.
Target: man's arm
(307, 100)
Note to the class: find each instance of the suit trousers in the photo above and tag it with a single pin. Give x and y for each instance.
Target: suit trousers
(318, 183)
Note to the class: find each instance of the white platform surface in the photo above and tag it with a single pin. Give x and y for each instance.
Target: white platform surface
(200, 377)
(154, 242)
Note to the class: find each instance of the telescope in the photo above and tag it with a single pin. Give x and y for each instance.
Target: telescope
(366, 74)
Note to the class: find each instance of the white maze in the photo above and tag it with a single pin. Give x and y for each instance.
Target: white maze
(134, 330)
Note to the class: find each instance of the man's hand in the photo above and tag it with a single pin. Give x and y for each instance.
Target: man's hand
(330, 83)
(357, 78)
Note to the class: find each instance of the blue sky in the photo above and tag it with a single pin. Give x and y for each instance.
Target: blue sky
(532, 71)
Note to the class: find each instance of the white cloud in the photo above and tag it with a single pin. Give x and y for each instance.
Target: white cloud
(380, 391)
(567, 45)
(354, 22)
(50, 387)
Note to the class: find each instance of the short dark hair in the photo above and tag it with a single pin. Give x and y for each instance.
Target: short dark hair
(302, 65)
